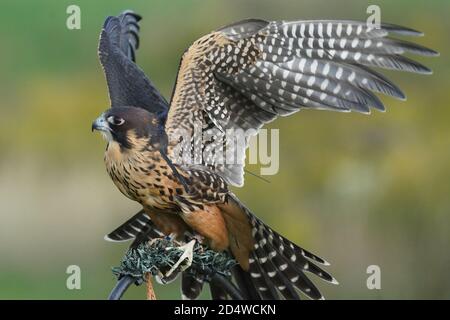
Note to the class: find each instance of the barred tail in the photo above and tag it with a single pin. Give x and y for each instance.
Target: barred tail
(277, 266)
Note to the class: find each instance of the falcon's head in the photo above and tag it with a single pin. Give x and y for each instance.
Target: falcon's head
(130, 126)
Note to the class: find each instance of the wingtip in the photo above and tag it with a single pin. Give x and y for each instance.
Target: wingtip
(402, 97)
(381, 110)
(415, 33)
(130, 12)
(109, 239)
(421, 69)
(403, 31)
(428, 72)
(108, 21)
(430, 52)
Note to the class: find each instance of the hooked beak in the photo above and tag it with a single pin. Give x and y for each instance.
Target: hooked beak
(100, 124)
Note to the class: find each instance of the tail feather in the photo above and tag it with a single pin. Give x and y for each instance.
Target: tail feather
(278, 263)
(283, 266)
(293, 253)
(244, 282)
(270, 267)
(261, 281)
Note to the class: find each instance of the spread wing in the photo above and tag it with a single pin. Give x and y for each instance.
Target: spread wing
(249, 73)
(127, 83)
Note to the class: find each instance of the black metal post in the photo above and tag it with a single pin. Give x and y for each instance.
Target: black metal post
(121, 286)
(227, 285)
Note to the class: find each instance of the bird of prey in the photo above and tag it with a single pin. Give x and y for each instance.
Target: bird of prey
(238, 77)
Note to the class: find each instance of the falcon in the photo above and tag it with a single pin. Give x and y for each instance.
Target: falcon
(236, 78)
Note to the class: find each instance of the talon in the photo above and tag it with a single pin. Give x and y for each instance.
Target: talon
(188, 253)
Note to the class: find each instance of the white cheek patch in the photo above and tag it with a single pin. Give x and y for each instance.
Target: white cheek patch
(106, 135)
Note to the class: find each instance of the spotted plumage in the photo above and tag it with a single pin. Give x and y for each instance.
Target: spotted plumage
(234, 80)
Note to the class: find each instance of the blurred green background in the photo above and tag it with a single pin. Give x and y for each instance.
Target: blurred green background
(358, 190)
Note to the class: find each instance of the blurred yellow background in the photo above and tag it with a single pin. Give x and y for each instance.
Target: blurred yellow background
(358, 190)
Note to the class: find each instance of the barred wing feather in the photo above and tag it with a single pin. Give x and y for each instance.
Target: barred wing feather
(249, 73)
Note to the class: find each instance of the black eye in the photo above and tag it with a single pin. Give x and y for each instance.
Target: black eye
(115, 120)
